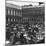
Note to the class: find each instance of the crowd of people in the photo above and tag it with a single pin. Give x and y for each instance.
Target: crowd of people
(25, 33)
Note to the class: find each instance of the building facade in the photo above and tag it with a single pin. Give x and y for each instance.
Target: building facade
(24, 14)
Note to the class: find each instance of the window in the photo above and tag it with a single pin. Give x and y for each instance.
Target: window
(14, 19)
(14, 13)
(11, 19)
(11, 11)
(8, 19)
(8, 11)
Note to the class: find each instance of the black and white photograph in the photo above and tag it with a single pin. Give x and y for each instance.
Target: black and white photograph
(25, 22)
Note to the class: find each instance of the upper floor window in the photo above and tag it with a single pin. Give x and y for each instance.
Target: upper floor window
(9, 11)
